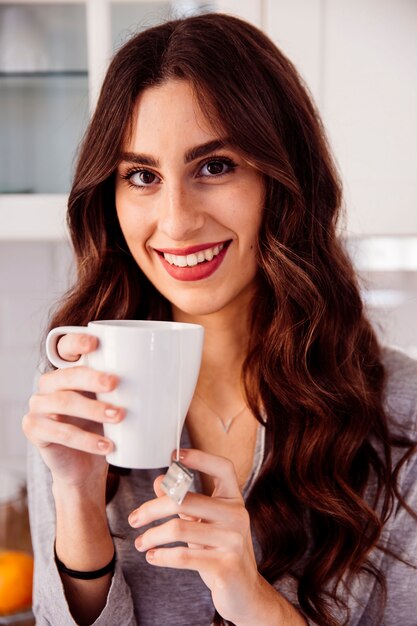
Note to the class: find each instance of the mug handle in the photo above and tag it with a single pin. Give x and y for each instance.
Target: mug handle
(52, 342)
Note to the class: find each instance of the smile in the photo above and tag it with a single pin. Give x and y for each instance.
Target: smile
(190, 260)
(194, 262)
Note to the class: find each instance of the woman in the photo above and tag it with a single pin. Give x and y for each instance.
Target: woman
(205, 192)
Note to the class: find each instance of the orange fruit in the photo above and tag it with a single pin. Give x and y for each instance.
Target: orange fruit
(16, 575)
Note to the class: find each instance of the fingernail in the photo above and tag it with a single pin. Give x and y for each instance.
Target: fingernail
(181, 455)
(86, 341)
(113, 414)
(103, 444)
(150, 555)
(138, 544)
(106, 380)
(133, 521)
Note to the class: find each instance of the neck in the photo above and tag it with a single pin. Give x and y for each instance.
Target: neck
(225, 348)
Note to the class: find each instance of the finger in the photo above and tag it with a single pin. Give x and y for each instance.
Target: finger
(159, 492)
(70, 347)
(196, 505)
(43, 432)
(200, 560)
(78, 378)
(201, 534)
(157, 486)
(75, 404)
(219, 468)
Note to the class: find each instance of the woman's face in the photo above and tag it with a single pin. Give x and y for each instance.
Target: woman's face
(188, 204)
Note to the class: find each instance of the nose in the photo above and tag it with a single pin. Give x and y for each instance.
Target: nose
(180, 213)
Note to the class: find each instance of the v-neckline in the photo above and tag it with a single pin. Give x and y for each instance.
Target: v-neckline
(258, 458)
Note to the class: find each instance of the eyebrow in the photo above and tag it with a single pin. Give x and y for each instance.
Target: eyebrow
(194, 153)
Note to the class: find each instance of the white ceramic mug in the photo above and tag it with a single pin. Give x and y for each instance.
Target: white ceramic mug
(158, 365)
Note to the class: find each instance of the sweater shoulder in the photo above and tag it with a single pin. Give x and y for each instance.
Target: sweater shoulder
(400, 393)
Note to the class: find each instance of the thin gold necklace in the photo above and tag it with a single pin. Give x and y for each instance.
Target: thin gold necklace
(225, 425)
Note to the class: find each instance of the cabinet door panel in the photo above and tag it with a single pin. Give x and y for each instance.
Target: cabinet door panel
(43, 95)
(249, 10)
(296, 26)
(370, 109)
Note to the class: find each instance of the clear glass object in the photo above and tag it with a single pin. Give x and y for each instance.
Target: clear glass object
(43, 95)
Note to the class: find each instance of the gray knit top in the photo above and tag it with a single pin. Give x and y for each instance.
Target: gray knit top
(143, 595)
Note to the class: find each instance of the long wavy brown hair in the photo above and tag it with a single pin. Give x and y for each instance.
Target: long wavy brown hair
(314, 363)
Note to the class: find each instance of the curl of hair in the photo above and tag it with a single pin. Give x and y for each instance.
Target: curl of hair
(314, 364)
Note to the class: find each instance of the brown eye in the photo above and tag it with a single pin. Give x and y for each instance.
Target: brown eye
(215, 167)
(143, 178)
(146, 177)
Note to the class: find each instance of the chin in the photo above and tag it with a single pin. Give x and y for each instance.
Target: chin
(194, 307)
(196, 310)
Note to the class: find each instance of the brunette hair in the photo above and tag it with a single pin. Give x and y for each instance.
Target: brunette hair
(314, 364)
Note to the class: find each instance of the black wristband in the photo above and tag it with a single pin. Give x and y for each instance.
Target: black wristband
(73, 573)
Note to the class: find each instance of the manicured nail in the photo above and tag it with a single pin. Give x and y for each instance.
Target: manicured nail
(133, 521)
(103, 444)
(104, 380)
(138, 544)
(113, 414)
(181, 455)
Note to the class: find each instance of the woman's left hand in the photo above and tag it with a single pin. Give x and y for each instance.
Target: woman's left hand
(217, 531)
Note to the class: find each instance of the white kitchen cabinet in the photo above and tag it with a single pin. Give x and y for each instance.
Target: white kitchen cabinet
(296, 26)
(53, 55)
(43, 111)
(370, 108)
(358, 58)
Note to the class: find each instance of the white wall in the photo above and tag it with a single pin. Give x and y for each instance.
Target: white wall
(32, 277)
(359, 58)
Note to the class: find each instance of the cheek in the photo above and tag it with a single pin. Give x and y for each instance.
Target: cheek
(249, 220)
(248, 203)
(133, 222)
(243, 208)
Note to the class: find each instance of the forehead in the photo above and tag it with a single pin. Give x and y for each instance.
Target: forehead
(168, 112)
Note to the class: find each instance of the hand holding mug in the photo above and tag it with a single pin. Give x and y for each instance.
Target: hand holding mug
(65, 419)
(157, 366)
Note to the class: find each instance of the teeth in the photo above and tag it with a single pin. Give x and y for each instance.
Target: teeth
(209, 254)
(190, 260)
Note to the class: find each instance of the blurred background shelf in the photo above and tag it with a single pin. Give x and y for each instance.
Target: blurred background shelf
(44, 74)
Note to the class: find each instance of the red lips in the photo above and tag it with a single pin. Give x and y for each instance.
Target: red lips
(190, 249)
(197, 272)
